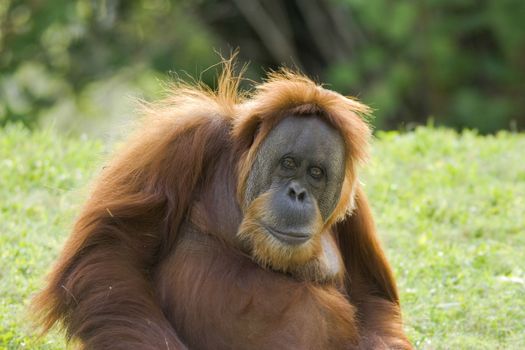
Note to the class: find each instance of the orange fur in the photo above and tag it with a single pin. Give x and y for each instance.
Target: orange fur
(154, 260)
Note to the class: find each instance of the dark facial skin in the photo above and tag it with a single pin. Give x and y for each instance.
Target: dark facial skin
(301, 163)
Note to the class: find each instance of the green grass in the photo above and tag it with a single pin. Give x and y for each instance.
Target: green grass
(450, 208)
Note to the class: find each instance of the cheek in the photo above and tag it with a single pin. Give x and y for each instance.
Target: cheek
(329, 198)
(259, 180)
(327, 204)
(257, 210)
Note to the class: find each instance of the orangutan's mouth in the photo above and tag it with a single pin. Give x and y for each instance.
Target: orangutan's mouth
(293, 238)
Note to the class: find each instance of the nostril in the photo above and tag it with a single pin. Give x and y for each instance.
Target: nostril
(296, 193)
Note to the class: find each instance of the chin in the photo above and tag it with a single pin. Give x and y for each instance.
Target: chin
(271, 252)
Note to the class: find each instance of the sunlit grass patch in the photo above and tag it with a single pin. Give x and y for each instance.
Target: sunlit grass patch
(450, 209)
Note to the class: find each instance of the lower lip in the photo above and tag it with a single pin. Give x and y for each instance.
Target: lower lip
(288, 238)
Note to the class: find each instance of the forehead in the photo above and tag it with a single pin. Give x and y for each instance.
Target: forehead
(309, 135)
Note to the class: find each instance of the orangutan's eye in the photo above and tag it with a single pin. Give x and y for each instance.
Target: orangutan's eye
(316, 172)
(288, 163)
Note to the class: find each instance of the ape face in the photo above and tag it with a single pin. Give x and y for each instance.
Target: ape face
(291, 191)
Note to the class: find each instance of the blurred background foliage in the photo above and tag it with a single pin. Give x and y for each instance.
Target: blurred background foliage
(79, 64)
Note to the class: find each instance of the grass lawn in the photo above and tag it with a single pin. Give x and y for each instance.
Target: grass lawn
(450, 209)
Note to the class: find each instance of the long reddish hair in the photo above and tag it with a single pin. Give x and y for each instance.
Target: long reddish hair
(145, 193)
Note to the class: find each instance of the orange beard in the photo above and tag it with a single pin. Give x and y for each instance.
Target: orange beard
(314, 260)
